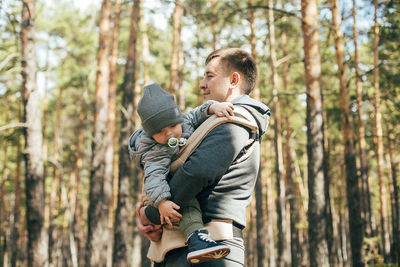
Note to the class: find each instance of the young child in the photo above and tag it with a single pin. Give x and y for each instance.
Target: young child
(165, 129)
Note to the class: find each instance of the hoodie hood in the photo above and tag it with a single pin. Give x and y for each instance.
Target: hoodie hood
(138, 143)
(260, 111)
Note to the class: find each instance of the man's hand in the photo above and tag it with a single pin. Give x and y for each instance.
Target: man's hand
(150, 231)
(221, 109)
(169, 212)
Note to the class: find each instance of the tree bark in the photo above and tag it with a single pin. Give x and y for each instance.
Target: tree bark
(111, 121)
(318, 247)
(34, 179)
(145, 53)
(122, 233)
(260, 221)
(181, 63)
(284, 257)
(53, 232)
(291, 191)
(253, 41)
(353, 194)
(176, 40)
(270, 244)
(3, 199)
(367, 204)
(394, 193)
(17, 199)
(384, 231)
(100, 188)
(77, 205)
(214, 24)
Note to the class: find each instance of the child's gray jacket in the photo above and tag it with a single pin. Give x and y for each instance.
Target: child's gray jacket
(155, 159)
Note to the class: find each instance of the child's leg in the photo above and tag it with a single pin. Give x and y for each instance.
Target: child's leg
(201, 247)
(191, 217)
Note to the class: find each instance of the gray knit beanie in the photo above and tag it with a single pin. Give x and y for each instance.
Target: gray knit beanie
(157, 109)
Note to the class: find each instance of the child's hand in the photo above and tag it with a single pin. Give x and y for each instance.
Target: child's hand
(221, 109)
(168, 212)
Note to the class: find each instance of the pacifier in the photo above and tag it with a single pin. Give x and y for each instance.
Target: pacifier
(174, 141)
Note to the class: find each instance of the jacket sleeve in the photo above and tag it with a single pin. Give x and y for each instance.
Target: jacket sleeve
(209, 162)
(156, 168)
(196, 116)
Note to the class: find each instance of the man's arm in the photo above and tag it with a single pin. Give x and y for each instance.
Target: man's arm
(150, 231)
(209, 161)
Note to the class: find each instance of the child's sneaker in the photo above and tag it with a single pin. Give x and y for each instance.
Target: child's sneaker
(202, 248)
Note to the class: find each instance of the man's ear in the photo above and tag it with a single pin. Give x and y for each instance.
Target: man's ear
(235, 79)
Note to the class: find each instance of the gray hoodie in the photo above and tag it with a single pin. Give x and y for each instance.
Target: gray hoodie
(223, 185)
(155, 159)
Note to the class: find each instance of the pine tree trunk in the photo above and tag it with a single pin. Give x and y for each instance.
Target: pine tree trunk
(78, 209)
(111, 121)
(100, 188)
(54, 233)
(284, 257)
(214, 24)
(3, 200)
(17, 192)
(291, 191)
(34, 179)
(384, 231)
(260, 222)
(181, 93)
(145, 53)
(394, 195)
(270, 244)
(367, 207)
(176, 40)
(253, 41)
(353, 194)
(319, 255)
(122, 232)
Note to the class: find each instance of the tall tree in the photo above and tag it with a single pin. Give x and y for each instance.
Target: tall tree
(384, 230)
(34, 178)
(253, 41)
(111, 121)
(317, 219)
(291, 191)
(17, 199)
(176, 40)
(394, 192)
(122, 233)
(284, 257)
(260, 221)
(353, 194)
(3, 197)
(54, 205)
(365, 179)
(270, 251)
(100, 187)
(77, 205)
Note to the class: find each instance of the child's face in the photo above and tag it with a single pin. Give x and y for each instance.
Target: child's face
(168, 132)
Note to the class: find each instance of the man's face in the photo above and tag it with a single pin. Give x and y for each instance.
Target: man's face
(216, 81)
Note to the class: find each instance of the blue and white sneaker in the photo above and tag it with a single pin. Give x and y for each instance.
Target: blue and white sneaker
(202, 248)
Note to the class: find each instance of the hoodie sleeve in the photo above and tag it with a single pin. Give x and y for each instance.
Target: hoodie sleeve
(156, 168)
(196, 117)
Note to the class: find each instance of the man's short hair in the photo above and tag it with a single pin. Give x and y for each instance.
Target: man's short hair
(237, 59)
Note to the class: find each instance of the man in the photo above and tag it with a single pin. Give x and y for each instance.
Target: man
(223, 170)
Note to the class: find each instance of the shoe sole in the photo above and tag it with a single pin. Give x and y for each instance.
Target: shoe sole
(214, 253)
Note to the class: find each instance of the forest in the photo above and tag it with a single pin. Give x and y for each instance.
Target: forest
(71, 75)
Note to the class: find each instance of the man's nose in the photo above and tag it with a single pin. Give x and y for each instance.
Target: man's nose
(202, 84)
